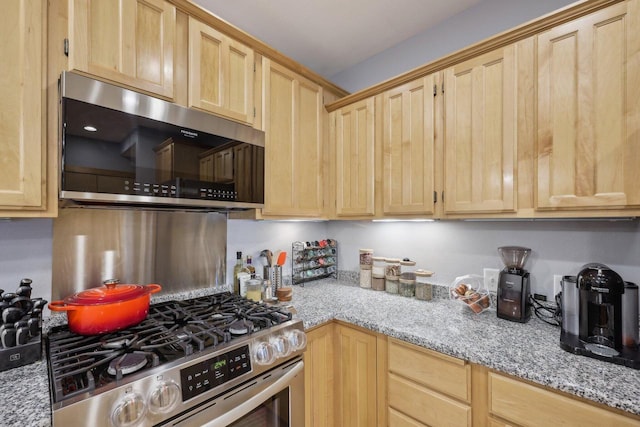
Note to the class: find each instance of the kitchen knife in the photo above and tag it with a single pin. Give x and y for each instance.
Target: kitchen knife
(22, 335)
(34, 326)
(8, 336)
(11, 315)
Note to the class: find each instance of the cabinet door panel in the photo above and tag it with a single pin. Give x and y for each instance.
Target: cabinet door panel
(356, 404)
(354, 140)
(588, 142)
(22, 138)
(220, 73)
(480, 133)
(408, 149)
(319, 382)
(126, 41)
(293, 180)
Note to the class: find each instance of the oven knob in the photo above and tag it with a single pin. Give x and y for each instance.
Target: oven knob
(281, 345)
(297, 339)
(129, 411)
(264, 353)
(164, 397)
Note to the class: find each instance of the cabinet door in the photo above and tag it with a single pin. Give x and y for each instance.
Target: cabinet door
(220, 73)
(480, 134)
(293, 176)
(357, 383)
(408, 148)
(588, 114)
(354, 135)
(125, 41)
(22, 99)
(319, 381)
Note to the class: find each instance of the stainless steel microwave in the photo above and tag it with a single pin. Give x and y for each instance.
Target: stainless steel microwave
(120, 147)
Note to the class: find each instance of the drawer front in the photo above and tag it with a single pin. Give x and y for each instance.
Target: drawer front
(529, 405)
(426, 406)
(437, 371)
(398, 419)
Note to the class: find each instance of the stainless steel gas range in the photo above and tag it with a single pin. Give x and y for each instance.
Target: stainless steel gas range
(217, 360)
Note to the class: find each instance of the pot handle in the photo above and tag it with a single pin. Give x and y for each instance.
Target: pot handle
(153, 288)
(60, 306)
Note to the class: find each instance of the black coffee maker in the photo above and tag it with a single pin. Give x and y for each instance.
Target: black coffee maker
(513, 285)
(600, 316)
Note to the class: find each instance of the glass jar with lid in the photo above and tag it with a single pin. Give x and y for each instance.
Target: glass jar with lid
(254, 290)
(392, 275)
(377, 273)
(424, 288)
(407, 287)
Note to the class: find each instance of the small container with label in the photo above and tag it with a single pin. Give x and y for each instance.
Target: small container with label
(377, 273)
(366, 259)
(392, 275)
(424, 288)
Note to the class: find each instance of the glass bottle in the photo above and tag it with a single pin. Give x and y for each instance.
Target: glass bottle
(249, 268)
(236, 269)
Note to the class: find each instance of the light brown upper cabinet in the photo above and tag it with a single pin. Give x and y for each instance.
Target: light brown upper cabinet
(353, 134)
(22, 102)
(293, 147)
(409, 148)
(130, 42)
(221, 72)
(588, 146)
(480, 134)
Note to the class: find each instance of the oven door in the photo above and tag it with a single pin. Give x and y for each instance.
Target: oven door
(273, 399)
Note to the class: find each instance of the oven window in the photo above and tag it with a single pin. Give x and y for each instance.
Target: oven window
(272, 413)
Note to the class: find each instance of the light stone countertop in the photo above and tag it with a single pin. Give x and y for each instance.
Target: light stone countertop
(528, 351)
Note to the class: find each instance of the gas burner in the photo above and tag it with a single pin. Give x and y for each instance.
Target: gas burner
(118, 342)
(241, 327)
(127, 363)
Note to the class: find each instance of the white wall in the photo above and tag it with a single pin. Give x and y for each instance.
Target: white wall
(450, 248)
(487, 18)
(455, 248)
(25, 251)
(251, 237)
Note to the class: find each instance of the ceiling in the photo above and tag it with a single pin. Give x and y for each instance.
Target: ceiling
(329, 36)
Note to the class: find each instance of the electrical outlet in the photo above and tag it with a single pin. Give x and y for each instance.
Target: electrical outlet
(557, 284)
(491, 276)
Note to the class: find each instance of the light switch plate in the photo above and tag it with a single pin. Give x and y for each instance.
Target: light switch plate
(491, 276)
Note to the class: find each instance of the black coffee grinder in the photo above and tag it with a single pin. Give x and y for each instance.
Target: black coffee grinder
(513, 285)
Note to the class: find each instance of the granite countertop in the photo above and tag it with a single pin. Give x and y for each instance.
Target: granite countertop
(528, 351)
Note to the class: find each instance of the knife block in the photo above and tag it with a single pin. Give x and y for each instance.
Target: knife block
(21, 355)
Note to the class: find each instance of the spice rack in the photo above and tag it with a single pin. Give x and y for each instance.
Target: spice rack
(314, 260)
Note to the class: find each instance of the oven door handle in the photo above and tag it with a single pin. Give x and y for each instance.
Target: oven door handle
(252, 403)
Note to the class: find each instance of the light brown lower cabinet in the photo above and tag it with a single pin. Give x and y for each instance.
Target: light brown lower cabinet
(355, 377)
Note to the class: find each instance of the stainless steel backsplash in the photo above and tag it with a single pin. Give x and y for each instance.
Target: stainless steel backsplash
(181, 251)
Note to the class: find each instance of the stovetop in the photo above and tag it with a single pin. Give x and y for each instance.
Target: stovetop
(172, 331)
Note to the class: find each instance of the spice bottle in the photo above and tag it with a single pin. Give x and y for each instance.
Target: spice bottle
(392, 275)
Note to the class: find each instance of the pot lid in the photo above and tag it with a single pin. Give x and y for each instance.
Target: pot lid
(110, 292)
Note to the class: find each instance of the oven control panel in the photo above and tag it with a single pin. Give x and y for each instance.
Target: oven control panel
(203, 376)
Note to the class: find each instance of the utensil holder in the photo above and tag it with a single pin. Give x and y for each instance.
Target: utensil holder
(274, 274)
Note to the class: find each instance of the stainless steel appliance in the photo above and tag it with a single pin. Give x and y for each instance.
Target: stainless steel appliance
(122, 147)
(210, 361)
(600, 316)
(513, 285)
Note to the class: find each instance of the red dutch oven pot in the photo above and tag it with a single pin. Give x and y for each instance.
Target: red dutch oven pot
(106, 308)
